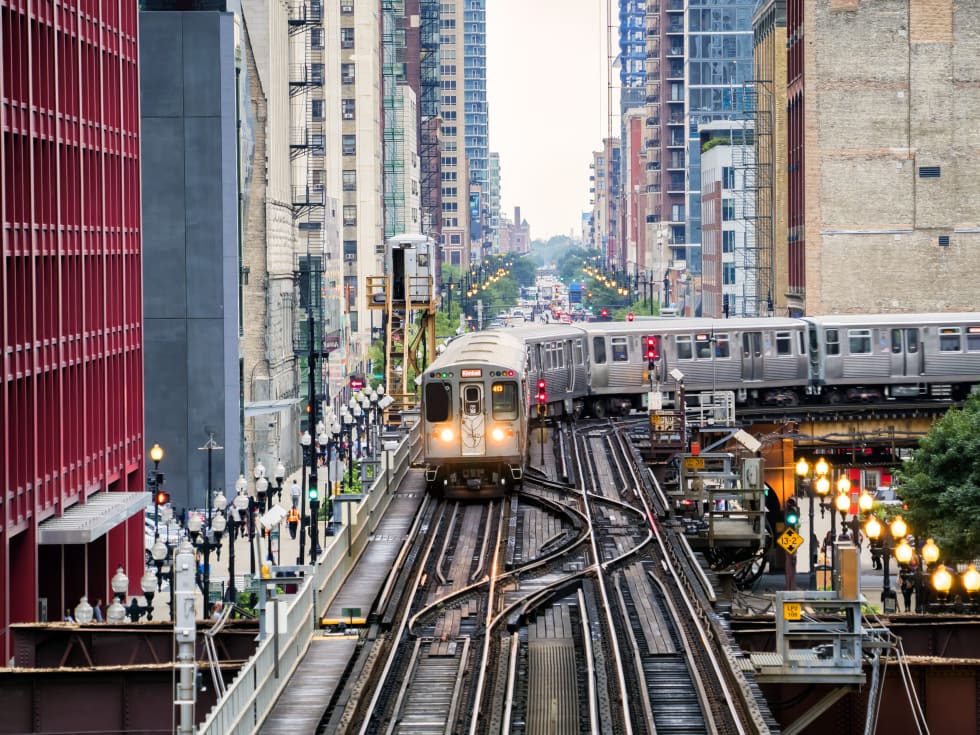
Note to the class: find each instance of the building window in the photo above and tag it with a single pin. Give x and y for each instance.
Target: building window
(350, 249)
(316, 110)
(347, 73)
(728, 274)
(350, 215)
(455, 257)
(350, 180)
(347, 6)
(727, 177)
(349, 145)
(316, 38)
(347, 109)
(728, 241)
(728, 210)
(346, 38)
(455, 239)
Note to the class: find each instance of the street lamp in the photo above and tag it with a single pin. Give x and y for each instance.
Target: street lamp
(119, 583)
(903, 554)
(802, 472)
(261, 486)
(83, 611)
(306, 442)
(205, 536)
(280, 476)
(348, 430)
(366, 408)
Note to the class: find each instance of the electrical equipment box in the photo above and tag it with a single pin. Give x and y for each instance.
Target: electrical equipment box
(409, 262)
(847, 572)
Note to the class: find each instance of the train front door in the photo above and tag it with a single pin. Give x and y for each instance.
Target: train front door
(906, 352)
(752, 358)
(473, 423)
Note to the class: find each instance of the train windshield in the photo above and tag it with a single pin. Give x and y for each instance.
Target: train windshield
(437, 401)
(504, 401)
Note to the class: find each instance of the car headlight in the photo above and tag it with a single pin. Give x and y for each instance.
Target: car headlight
(497, 434)
(446, 435)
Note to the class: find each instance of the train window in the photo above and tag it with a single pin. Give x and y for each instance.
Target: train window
(684, 347)
(859, 341)
(620, 352)
(832, 339)
(599, 349)
(784, 343)
(912, 341)
(437, 401)
(896, 341)
(722, 346)
(579, 357)
(471, 400)
(503, 401)
(973, 339)
(702, 346)
(949, 339)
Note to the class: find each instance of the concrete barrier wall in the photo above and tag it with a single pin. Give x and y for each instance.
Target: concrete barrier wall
(252, 695)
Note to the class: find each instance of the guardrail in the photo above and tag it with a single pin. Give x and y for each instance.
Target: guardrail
(251, 696)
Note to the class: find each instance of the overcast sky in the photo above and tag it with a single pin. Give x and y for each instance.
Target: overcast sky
(546, 87)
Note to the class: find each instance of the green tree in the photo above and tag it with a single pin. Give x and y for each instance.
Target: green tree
(941, 483)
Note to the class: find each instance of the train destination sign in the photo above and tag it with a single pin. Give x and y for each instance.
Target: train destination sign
(471, 373)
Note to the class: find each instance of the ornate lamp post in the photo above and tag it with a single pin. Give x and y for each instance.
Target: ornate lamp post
(366, 409)
(280, 476)
(903, 553)
(803, 477)
(348, 430)
(205, 536)
(119, 583)
(306, 442)
(261, 486)
(83, 611)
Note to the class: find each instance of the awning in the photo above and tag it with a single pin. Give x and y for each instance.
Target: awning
(84, 522)
(261, 408)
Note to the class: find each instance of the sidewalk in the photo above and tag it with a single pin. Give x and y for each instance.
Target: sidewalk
(250, 555)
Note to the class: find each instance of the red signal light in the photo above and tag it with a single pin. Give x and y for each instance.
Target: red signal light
(653, 351)
(629, 317)
(604, 313)
(542, 392)
(162, 498)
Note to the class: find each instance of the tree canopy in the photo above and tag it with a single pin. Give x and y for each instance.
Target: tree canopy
(941, 483)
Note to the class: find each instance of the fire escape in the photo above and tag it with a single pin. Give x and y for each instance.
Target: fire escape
(308, 196)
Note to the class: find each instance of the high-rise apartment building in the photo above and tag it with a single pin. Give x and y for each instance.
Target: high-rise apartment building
(361, 147)
(605, 168)
(71, 438)
(495, 202)
(886, 173)
(455, 170)
(476, 122)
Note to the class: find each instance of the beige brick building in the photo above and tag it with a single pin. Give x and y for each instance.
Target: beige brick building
(891, 157)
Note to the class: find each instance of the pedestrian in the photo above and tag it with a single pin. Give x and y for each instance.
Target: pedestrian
(828, 545)
(97, 611)
(217, 610)
(292, 518)
(294, 492)
(908, 586)
(876, 546)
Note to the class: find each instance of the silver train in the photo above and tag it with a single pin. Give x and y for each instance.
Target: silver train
(603, 368)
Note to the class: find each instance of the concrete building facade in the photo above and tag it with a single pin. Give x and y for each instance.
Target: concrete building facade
(191, 246)
(458, 250)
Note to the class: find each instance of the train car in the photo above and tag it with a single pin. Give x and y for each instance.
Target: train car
(868, 358)
(762, 360)
(557, 355)
(475, 400)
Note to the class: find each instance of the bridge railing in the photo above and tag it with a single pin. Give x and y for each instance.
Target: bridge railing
(250, 698)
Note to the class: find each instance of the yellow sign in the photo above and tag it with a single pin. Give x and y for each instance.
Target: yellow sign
(790, 540)
(663, 422)
(792, 611)
(693, 463)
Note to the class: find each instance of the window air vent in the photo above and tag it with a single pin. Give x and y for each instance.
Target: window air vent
(929, 172)
(944, 240)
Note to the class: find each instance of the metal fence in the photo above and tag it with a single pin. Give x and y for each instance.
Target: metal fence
(252, 695)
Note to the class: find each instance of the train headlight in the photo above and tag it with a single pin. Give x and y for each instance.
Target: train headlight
(497, 434)
(446, 434)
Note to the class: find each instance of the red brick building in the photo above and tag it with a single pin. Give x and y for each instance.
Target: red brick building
(71, 439)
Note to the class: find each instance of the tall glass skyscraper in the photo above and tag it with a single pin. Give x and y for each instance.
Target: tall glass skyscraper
(719, 73)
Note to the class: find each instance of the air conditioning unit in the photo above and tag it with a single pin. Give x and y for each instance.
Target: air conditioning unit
(348, 116)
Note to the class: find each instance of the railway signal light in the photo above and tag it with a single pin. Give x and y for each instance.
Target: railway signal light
(604, 313)
(653, 352)
(314, 493)
(792, 513)
(542, 392)
(629, 317)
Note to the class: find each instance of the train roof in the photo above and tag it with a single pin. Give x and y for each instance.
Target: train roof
(911, 320)
(697, 324)
(495, 346)
(540, 331)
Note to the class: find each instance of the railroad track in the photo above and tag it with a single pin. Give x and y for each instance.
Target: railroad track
(558, 610)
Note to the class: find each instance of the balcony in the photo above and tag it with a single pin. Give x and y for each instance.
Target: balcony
(311, 195)
(305, 12)
(302, 76)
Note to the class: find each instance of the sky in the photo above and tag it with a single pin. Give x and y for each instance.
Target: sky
(547, 92)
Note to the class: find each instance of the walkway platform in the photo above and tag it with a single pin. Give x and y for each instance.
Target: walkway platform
(306, 696)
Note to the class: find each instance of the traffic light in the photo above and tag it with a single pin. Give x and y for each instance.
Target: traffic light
(604, 313)
(653, 352)
(542, 392)
(792, 513)
(161, 497)
(629, 317)
(313, 493)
